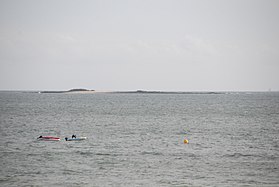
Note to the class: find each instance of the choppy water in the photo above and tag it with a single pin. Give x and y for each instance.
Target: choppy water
(137, 139)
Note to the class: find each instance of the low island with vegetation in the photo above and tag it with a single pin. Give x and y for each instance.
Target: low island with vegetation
(78, 90)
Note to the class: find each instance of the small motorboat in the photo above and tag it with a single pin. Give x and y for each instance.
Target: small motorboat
(48, 138)
(75, 139)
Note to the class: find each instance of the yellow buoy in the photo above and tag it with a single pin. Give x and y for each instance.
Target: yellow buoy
(186, 141)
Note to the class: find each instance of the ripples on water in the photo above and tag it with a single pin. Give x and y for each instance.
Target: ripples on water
(137, 139)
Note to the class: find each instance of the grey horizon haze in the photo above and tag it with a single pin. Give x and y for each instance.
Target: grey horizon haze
(174, 45)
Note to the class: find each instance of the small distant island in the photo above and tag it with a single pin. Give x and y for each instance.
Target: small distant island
(79, 90)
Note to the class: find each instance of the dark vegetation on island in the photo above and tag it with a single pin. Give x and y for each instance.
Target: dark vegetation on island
(68, 91)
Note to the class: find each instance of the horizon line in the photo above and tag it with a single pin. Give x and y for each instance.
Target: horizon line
(137, 91)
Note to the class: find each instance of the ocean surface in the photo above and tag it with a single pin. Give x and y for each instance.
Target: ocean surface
(137, 139)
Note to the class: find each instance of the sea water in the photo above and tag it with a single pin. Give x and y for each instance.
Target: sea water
(138, 139)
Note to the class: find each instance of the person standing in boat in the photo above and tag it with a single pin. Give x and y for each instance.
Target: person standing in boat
(74, 136)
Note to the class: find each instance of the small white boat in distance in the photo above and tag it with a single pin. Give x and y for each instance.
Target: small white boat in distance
(75, 139)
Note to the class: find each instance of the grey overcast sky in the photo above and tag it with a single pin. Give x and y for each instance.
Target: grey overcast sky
(168, 45)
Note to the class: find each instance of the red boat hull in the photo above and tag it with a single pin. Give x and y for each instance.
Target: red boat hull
(49, 138)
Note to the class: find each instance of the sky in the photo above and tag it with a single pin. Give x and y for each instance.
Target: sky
(162, 45)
